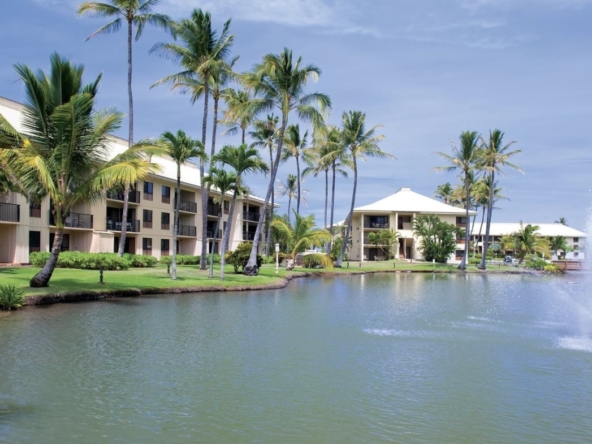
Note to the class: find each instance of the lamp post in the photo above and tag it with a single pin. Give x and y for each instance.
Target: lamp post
(277, 255)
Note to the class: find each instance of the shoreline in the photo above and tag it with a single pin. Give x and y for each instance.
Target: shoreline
(97, 295)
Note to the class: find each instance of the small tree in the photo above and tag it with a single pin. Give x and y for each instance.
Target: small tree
(384, 239)
(527, 241)
(437, 239)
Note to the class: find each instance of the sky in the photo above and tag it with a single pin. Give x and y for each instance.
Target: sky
(425, 70)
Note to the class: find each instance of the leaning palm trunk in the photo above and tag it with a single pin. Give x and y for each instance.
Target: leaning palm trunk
(123, 235)
(480, 228)
(332, 208)
(204, 191)
(297, 197)
(351, 214)
(271, 208)
(488, 224)
(251, 268)
(176, 221)
(226, 237)
(41, 279)
(326, 195)
(213, 244)
(463, 262)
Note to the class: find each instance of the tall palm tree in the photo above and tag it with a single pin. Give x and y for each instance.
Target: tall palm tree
(225, 182)
(242, 160)
(317, 164)
(295, 144)
(495, 156)
(562, 221)
(444, 193)
(289, 188)
(464, 159)
(237, 116)
(265, 136)
(278, 82)
(180, 148)
(65, 154)
(361, 144)
(202, 54)
(482, 193)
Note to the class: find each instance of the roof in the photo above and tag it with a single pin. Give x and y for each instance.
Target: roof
(407, 201)
(546, 230)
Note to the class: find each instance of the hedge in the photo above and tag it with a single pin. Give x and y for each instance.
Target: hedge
(94, 261)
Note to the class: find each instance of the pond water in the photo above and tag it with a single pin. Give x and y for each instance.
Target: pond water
(409, 358)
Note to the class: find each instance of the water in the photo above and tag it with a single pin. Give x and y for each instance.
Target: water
(386, 358)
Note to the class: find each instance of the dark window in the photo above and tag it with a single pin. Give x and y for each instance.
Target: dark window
(164, 247)
(576, 239)
(461, 220)
(147, 245)
(148, 190)
(65, 242)
(147, 219)
(226, 207)
(403, 220)
(165, 221)
(34, 210)
(460, 254)
(166, 194)
(34, 241)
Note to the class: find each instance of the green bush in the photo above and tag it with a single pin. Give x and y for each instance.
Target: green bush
(535, 263)
(168, 260)
(140, 261)
(312, 261)
(552, 269)
(94, 261)
(11, 297)
(269, 259)
(240, 257)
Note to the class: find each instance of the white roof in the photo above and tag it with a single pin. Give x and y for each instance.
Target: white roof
(407, 201)
(546, 230)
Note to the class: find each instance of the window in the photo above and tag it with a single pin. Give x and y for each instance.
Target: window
(460, 254)
(576, 240)
(403, 220)
(165, 221)
(461, 221)
(226, 207)
(166, 194)
(147, 246)
(34, 210)
(148, 190)
(147, 219)
(164, 247)
(34, 241)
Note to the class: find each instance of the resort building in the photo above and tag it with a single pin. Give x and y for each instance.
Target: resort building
(397, 212)
(26, 227)
(575, 239)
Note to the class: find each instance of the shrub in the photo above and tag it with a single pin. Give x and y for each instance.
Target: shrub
(11, 297)
(269, 259)
(240, 256)
(187, 259)
(140, 261)
(83, 261)
(552, 269)
(535, 263)
(168, 260)
(312, 261)
(38, 258)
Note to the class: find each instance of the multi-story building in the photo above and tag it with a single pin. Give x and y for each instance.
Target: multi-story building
(397, 212)
(25, 227)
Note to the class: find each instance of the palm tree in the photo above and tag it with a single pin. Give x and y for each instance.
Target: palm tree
(278, 83)
(288, 188)
(558, 244)
(562, 221)
(65, 154)
(495, 156)
(265, 136)
(302, 235)
(10, 140)
(237, 116)
(317, 164)
(361, 144)
(202, 55)
(181, 148)
(242, 160)
(295, 146)
(464, 159)
(482, 194)
(526, 241)
(445, 193)
(224, 182)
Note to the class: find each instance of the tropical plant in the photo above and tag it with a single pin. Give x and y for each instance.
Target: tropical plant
(562, 221)
(557, 244)
(495, 156)
(482, 192)
(180, 148)
(384, 240)
(202, 55)
(526, 241)
(464, 159)
(302, 235)
(288, 188)
(445, 193)
(242, 160)
(437, 239)
(295, 144)
(238, 115)
(240, 256)
(65, 155)
(10, 140)
(11, 297)
(278, 82)
(361, 144)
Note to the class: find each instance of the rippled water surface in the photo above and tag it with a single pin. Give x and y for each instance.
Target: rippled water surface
(377, 358)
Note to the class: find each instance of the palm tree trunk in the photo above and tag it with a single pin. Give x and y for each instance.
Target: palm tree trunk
(122, 237)
(214, 240)
(204, 191)
(226, 237)
(332, 208)
(473, 229)
(129, 84)
(351, 214)
(463, 262)
(480, 227)
(482, 265)
(298, 178)
(289, 206)
(41, 279)
(176, 221)
(326, 195)
(251, 268)
(244, 130)
(272, 206)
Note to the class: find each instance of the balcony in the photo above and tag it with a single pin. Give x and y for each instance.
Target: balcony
(134, 196)
(75, 220)
(10, 212)
(214, 209)
(378, 222)
(210, 234)
(248, 236)
(133, 226)
(187, 230)
(251, 215)
(187, 205)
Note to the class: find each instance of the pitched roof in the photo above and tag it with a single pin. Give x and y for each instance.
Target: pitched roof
(546, 230)
(407, 201)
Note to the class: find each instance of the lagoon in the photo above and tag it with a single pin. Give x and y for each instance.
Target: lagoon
(409, 358)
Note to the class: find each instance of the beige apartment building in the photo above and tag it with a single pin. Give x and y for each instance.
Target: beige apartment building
(25, 227)
(397, 212)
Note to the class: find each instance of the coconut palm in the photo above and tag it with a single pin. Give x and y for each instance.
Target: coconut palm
(288, 188)
(278, 82)
(361, 144)
(65, 154)
(317, 164)
(526, 241)
(482, 195)
(202, 55)
(445, 193)
(10, 140)
(295, 144)
(242, 160)
(237, 116)
(464, 159)
(180, 148)
(562, 221)
(495, 157)
(557, 244)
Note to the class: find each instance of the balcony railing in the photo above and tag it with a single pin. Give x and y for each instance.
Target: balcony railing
(10, 212)
(214, 209)
(133, 226)
(187, 230)
(186, 205)
(210, 234)
(75, 220)
(250, 215)
(381, 223)
(248, 236)
(134, 196)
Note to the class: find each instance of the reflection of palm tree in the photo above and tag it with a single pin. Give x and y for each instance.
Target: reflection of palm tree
(181, 149)
(464, 159)
(562, 221)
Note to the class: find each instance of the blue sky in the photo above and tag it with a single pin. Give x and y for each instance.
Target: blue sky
(426, 70)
